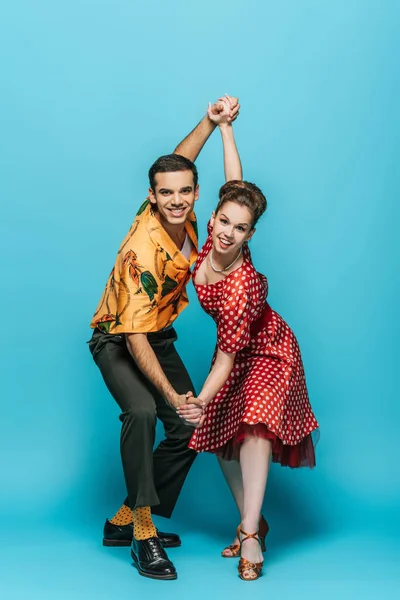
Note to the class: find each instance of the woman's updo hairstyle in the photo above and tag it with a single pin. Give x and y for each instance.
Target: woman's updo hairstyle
(243, 193)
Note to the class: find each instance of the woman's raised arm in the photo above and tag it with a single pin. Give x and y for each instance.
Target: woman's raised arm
(232, 164)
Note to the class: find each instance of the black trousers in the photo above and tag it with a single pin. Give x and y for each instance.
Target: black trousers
(153, 478)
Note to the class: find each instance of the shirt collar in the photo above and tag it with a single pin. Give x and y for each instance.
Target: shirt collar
(159, 235)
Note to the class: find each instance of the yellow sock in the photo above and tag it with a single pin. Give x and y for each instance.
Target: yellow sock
(143, 526)
(123, 516)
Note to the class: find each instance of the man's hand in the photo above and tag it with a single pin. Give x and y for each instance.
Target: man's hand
(178, 400)
(225, 111)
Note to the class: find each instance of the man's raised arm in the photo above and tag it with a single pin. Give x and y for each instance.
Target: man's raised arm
(191, 146)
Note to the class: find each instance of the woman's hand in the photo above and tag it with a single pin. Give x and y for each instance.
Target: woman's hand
(193, 411)
(225, 111)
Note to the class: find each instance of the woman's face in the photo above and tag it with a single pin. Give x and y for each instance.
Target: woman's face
(232, 227)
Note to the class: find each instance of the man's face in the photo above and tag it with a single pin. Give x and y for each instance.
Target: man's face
(174, 196)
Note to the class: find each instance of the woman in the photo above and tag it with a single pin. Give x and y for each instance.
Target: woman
(255, 399)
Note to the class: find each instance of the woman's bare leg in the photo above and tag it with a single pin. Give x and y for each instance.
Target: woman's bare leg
(255, 456)
(233, 476)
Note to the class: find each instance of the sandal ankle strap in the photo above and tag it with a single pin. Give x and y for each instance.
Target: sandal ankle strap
(247, 536)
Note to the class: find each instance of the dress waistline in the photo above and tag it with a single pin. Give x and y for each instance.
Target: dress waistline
(262, 321)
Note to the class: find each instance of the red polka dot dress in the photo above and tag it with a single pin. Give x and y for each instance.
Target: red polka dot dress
(265, 394)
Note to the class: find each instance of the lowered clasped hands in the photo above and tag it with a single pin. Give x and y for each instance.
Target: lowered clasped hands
(193, 411)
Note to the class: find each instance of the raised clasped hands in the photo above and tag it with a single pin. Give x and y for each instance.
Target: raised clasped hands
(192, 412)
(225, 111)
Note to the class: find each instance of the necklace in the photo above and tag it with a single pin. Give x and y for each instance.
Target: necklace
(224, 268)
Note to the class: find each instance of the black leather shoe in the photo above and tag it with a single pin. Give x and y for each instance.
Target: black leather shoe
(151, 560)
(121, 535)
(169, 540)
(117, 535)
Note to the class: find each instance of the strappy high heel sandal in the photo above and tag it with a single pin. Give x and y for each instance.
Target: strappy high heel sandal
(262, 533)
(244, 564)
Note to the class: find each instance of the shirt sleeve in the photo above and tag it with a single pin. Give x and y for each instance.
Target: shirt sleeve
(233, 326)
(139, 292)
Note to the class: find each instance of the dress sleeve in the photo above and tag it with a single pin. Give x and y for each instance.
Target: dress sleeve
(139, 292)
(233, 326)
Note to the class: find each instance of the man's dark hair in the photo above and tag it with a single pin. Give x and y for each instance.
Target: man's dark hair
(170, 163)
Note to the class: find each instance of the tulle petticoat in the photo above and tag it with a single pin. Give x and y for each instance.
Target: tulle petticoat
(300, 455)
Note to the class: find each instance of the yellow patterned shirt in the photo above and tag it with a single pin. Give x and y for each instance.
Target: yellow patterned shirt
(146, 289)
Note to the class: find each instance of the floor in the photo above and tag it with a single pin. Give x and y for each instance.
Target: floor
(59, 563)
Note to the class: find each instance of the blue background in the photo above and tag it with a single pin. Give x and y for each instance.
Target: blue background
(91, 92)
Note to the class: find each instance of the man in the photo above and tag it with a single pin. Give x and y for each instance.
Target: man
(133, 346)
